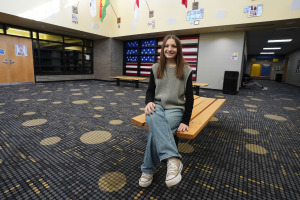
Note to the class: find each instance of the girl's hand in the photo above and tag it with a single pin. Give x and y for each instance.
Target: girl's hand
(183, 127)
(150, 107)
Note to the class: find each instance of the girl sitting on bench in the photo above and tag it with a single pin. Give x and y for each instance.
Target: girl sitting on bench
(167, 111)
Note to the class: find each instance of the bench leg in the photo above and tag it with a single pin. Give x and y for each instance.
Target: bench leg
(137, 84)
(118, 82)
(197, 90)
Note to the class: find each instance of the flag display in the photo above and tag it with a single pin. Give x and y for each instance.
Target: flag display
(184, 2)
(136, 11)
(103, 5)
(93, 8)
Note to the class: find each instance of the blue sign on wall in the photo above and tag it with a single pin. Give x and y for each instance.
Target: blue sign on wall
(1, 51)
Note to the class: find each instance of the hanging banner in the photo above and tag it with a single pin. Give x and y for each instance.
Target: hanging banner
(93, 8)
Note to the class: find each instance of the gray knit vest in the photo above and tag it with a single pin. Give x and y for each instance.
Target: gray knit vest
(170, 91)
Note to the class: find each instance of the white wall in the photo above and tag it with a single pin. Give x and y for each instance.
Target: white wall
(169, 15)
(292, 76)
(215, 57)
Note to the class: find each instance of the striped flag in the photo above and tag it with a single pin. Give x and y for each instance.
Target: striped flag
(103, 5)
(136, 11)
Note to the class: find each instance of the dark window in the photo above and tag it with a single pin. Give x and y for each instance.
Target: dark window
(55, 54)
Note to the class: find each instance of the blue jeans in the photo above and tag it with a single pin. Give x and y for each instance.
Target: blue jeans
(161, 143)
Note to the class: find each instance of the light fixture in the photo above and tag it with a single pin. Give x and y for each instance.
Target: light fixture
(283, 40)
(267, 53)
(272, 48)
(14, 29)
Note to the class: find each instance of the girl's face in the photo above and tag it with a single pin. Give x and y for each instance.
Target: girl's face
(170, 50)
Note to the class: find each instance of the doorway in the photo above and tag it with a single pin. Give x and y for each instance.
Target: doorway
(16, 60)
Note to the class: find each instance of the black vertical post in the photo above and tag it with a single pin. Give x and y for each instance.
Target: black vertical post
(137, 83)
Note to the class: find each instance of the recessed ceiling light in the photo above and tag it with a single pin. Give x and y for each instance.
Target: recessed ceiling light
(272, 48)
(283, 40)
(267, 53)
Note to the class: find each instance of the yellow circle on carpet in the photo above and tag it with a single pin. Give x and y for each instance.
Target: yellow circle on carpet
(214, 119)
(275, 117)
(251, 131)
(289, 108)
(1, 113)
(116, 122)
(255, 99)
(34, 122)
(112, 181)
(95, 137)
(250, 106)
(135, 104)
(97, 116)
(286, 99)
(80, 102)
(185, 148)
(42, 99)
(143, 109)
(97, 97)
(225, 111)
(50, 141)
(2, 104)
(77, 94)
(252, 110)
(57, 102)
(256, 149)
(109, 90)
(29, 113)
(75, 90)
(120, 94)
(142, 97)
(99, 108)
(113, 103)
(19, 100)
(23, 90)
(46, 91)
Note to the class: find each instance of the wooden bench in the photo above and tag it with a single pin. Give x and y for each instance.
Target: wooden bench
(131, 78)
(198, 85)
(204, 109)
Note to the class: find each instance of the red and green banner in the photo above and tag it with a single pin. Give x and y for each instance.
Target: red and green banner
(103, 5)
(184, 2)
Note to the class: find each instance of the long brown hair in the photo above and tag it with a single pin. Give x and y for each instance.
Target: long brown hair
(180, 62)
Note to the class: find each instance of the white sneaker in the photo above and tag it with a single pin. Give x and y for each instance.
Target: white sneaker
(173, 172)
(264, 88)
(145, 180)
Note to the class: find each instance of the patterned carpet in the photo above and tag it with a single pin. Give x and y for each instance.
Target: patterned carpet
(74, 140)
